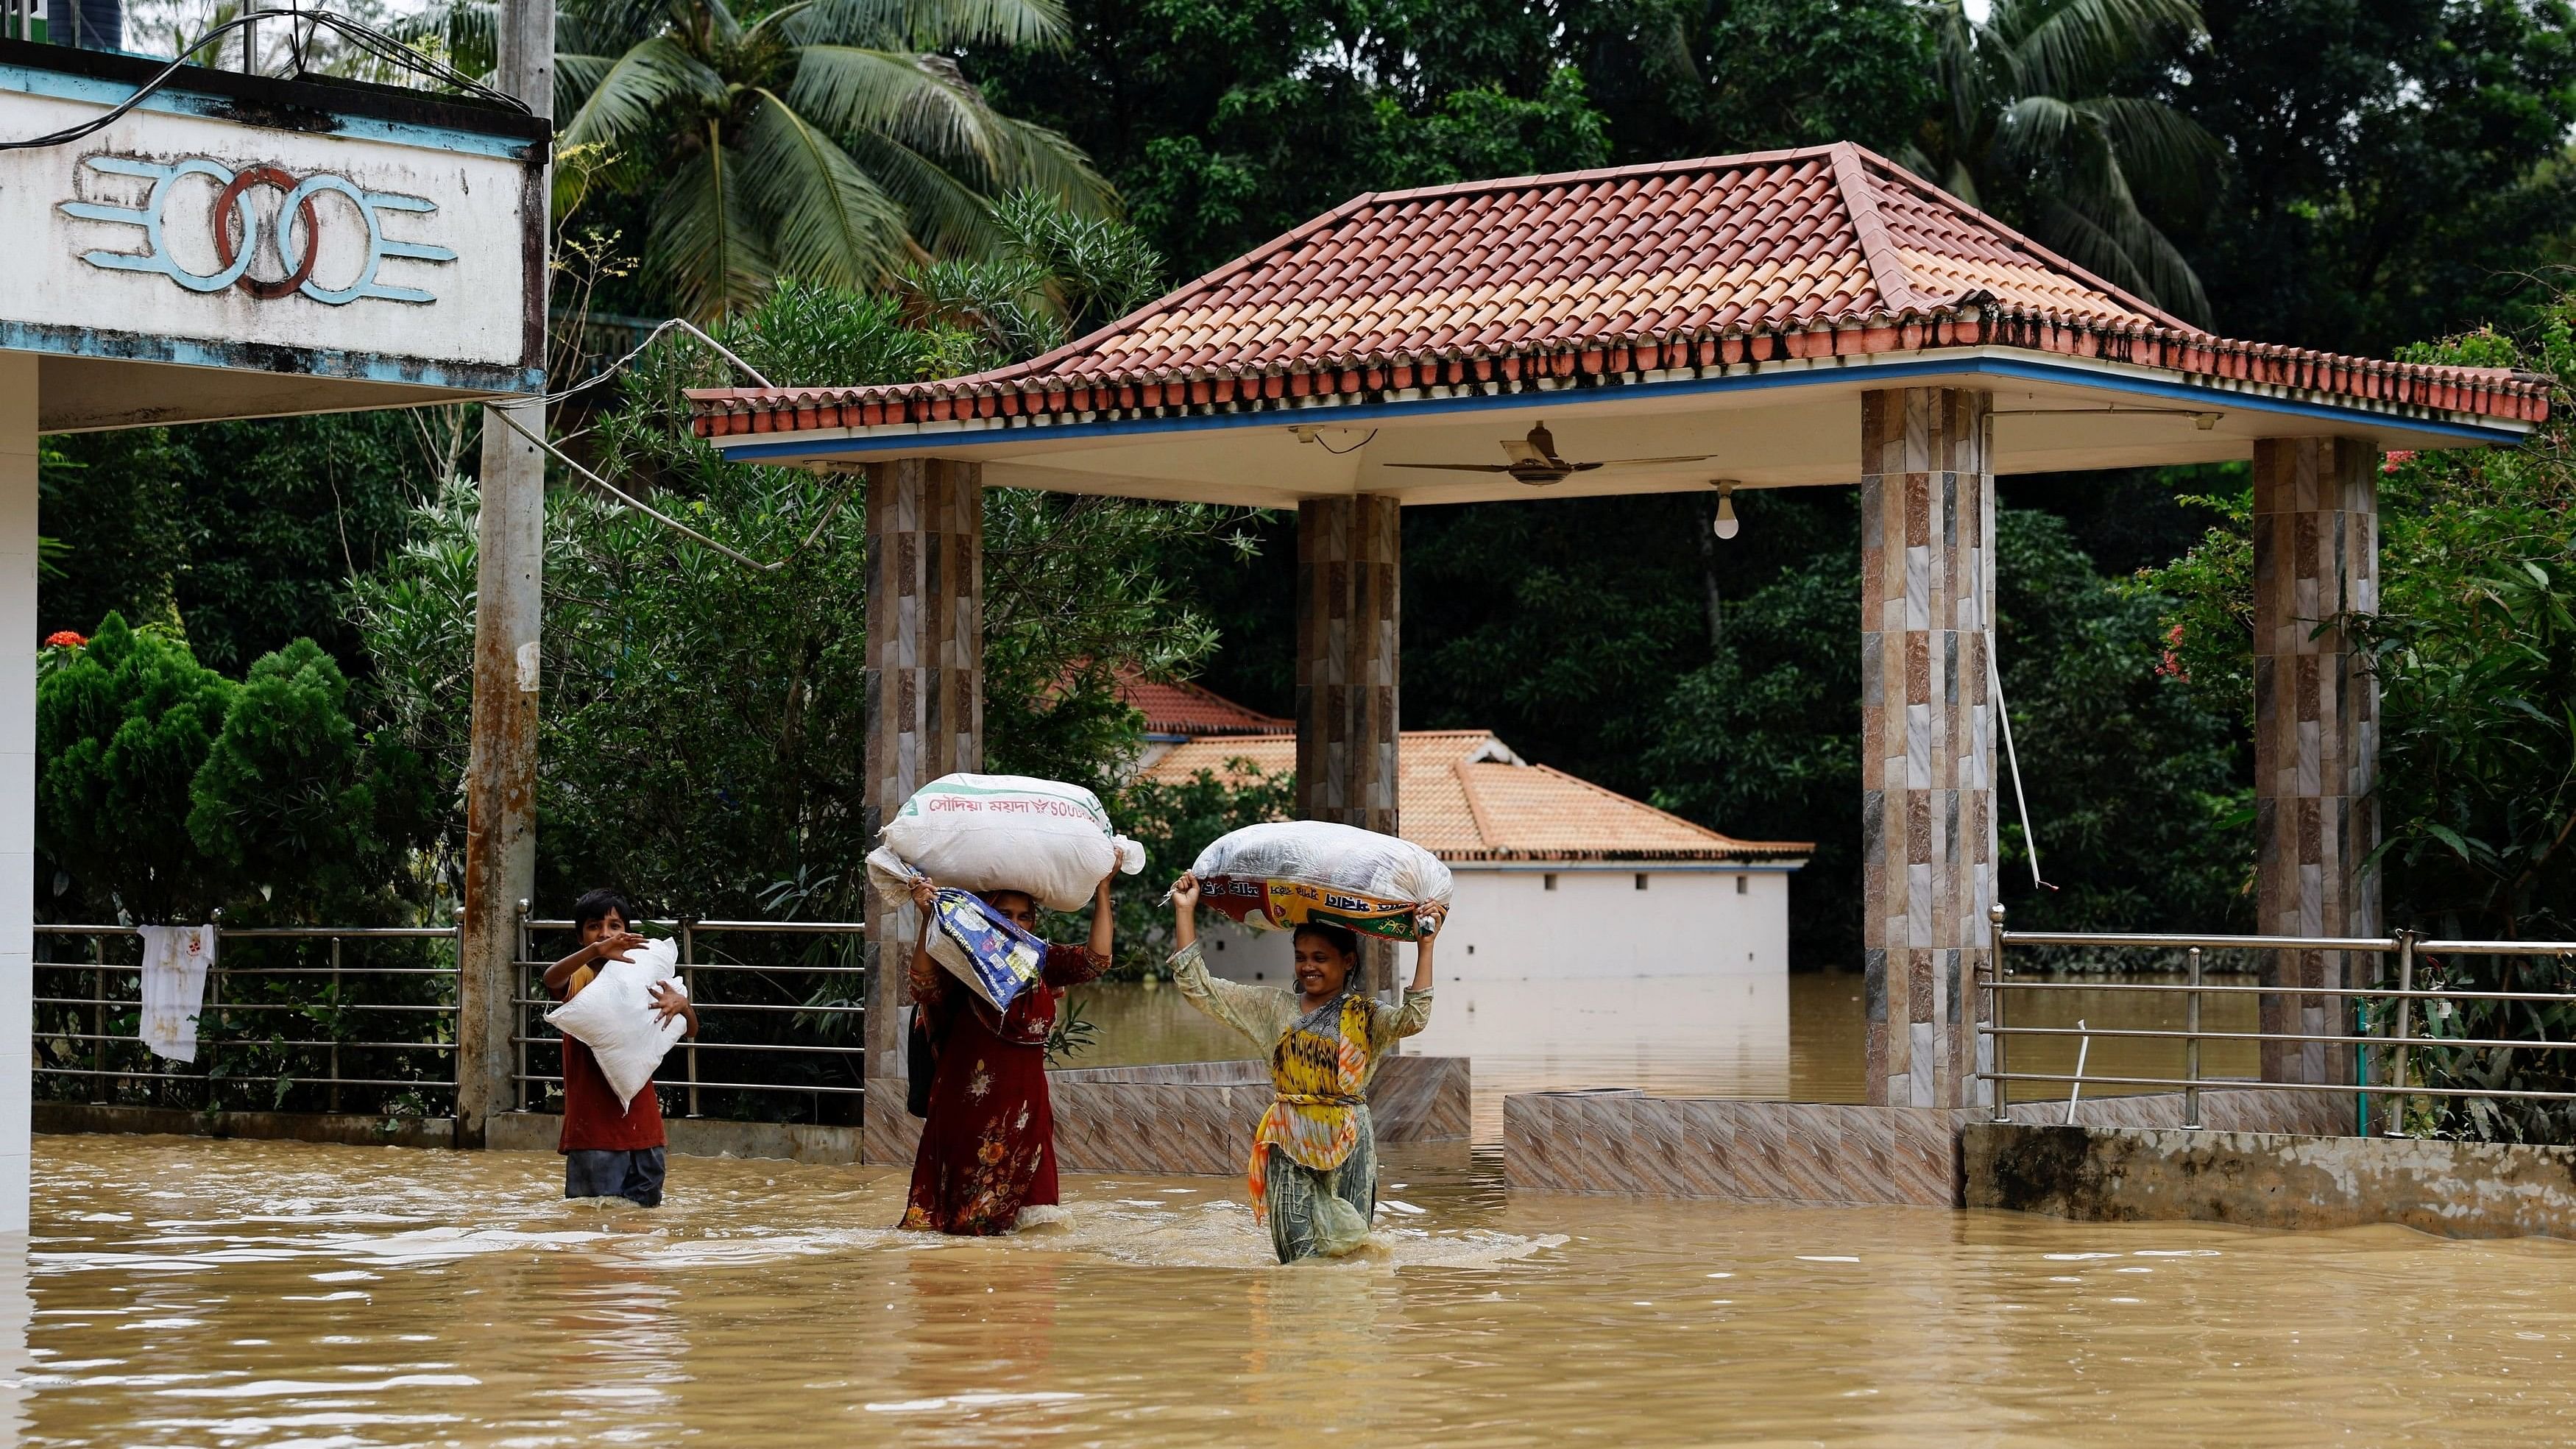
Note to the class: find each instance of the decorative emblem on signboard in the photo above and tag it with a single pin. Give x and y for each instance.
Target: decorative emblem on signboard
(236, 228)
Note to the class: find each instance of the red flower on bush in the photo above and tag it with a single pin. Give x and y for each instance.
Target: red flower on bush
(2171, 665)
(65, 639)
(2394, 461)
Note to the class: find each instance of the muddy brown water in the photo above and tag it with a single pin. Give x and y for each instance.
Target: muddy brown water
(204, 1293)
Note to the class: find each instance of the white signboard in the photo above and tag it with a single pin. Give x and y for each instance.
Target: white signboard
(340, 246)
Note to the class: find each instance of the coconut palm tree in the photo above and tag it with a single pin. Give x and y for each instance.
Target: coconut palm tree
(832, 140)
(2034, 126)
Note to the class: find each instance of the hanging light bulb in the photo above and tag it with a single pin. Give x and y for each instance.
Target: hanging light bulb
(1726, 526)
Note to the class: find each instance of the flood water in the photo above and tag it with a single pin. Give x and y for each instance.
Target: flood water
(189, 1292)
(1792, 1038)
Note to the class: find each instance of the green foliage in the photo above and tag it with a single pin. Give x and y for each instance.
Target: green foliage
(1174, 821)
(293, 799)
(242, 536)
(2044, 121)
(165, 790)
(2395, 170)
(121, 731)
(832, 140)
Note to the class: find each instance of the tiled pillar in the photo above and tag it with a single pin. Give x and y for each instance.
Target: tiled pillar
(17, 777)
(1349, 577)
(2316, 730)
(1927, 745)
(925, 681)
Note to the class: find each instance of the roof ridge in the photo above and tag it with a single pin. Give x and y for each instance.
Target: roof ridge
(1475, 807)
(1896, 289)
(1947, 202)
(1608, 173)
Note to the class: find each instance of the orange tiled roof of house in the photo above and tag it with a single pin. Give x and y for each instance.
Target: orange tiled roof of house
(1464, 796)
(1632, 273)
(1186, 709)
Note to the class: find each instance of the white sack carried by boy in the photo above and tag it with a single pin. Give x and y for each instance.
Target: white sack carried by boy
(614, 1016)
(1012, 833)
(995, 959)
(1287, 873)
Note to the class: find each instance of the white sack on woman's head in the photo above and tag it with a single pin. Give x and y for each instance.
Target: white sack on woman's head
(1012, 833)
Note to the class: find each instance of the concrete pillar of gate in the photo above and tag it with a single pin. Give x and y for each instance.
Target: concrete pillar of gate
(1349, 581)
(1927, 740)
(2316, 732)
(17, 778)
(925, 689)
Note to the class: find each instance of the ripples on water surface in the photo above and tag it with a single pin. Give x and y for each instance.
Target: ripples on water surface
(237, 1293)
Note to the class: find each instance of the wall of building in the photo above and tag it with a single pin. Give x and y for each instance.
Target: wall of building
(1574, 923)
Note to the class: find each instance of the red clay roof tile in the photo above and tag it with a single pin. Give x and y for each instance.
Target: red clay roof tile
(1824, 240)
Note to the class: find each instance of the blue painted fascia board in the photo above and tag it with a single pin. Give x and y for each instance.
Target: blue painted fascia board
(2215, 399)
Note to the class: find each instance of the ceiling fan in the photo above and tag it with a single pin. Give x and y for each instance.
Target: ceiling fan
(1534, 461)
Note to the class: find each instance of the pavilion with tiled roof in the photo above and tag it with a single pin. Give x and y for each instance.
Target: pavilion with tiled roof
(1792, 318)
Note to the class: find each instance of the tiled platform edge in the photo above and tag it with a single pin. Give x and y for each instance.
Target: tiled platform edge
(1624, 1142)
(1191, 1119)
(2121, 1175)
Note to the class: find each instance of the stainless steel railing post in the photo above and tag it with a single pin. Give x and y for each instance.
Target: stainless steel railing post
(100, 1091)
(2191, 1047)
(1995, 1034)
(689, 983)
(335, 1023)
(523, 986)
(2405, 1024)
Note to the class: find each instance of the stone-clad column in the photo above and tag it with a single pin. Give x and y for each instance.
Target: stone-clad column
(2316, 730)
(1349, 577)
(1927, 751)
(925, 684)
(17, 787)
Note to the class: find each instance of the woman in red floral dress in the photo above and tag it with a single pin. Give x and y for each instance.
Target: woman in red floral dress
(988, 1145)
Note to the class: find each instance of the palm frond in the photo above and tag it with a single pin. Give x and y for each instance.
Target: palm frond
(639, 91)
(704, 245)
(829, 222)
(949, 215)
(2167, 155)
(919, 25)
(2070, 47)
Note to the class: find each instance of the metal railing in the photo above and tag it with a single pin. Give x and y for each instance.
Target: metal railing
(2386, 1003)
(281, 1027)
(781, 1032)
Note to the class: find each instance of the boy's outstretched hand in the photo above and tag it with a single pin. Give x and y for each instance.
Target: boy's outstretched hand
(617, 947)
(669, 1002)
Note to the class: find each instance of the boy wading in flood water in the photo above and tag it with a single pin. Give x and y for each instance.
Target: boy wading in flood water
(610, 1148)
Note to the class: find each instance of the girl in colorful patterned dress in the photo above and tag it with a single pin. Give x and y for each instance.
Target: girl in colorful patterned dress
(988, 1144)
(1313, 1175)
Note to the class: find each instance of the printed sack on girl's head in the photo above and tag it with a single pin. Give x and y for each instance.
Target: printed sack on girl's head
(1012, 833)
(614, 1017)
(972, 942)
(1286, 873)
(984, 948)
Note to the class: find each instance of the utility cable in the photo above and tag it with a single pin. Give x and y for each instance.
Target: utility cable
(2003, 716)
(374, 42)
(621, 364)
(666, 520)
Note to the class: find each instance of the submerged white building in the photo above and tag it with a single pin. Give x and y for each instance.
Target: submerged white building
(1557, 878)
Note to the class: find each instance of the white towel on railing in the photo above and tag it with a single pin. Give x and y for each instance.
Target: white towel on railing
(175, 959)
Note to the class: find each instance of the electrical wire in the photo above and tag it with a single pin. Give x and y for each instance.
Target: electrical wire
(621, 364)
(374, 42)
(648, 510)
(2003, 716)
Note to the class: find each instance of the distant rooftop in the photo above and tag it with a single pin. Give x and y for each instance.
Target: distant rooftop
(1187, 710)
(1465, 796)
